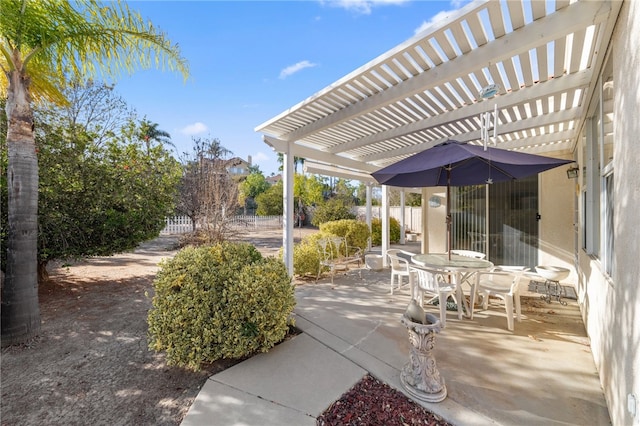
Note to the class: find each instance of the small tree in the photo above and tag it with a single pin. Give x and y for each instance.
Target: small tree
(307, 191)
(270, 201)
(332, 209)
(208, 194)
(252, 186)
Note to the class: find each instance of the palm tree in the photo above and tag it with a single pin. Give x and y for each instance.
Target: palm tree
(297, 161)
(149, 133)
(43, 45)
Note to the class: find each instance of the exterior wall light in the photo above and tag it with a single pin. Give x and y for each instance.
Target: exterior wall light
(435, 201)
(572, 173)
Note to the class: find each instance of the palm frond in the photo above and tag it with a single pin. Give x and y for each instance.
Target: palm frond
(59, 40)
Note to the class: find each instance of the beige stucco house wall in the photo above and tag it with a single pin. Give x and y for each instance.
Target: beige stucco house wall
(611, 305)
(556, 231)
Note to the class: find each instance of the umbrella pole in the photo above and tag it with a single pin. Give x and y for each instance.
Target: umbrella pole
(449, 212)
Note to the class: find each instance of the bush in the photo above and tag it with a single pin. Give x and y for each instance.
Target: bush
(355, 231)
(332, 209)
(220, 301)
(306, 256)
(376, 231)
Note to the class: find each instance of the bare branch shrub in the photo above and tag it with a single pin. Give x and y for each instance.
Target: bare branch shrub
(208, 193)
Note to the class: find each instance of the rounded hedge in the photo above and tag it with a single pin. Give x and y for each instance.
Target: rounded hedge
(306, 254)
(355, 231)
(376, 231)
(220, 301)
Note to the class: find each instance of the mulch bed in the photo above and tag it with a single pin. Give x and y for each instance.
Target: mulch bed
(373, 403)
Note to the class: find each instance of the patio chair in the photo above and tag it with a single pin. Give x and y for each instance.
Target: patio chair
(435, 284)
(335, 254)
(502, 282)
(477, 241)
(399, 266)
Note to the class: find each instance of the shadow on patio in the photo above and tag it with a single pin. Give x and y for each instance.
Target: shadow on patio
(542, 373)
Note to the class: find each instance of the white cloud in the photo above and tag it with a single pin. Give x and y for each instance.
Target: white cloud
(194, 129)
(363, 7)
(292, 69)
(441, 16)
(259, 157)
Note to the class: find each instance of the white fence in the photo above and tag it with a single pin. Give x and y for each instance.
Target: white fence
(256, 222)
(177, 225)
(184, 225)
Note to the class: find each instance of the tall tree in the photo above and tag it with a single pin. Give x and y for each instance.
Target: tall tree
(91, 107)
(150, 133)
(43, 45)
(297, 161)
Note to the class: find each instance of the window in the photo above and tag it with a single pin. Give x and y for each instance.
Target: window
(608, 257)
(598, 184)
(592, 183)
(606, 144)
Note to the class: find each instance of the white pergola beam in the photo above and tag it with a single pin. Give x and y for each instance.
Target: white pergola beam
(542, 90)
(328, 170)
(556, 25)
(306, 152)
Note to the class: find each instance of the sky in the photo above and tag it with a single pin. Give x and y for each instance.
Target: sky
(252, 60)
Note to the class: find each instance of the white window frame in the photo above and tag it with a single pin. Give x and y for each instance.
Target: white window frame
(600, 197)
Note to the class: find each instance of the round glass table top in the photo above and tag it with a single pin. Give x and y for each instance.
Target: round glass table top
(442, 261)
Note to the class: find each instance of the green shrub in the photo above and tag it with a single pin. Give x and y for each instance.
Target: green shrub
(356, 232)
(306, 256)
(220, 301)
(376, 231)
(332, 209)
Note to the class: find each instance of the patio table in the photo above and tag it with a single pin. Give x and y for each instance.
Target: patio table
(462, 267)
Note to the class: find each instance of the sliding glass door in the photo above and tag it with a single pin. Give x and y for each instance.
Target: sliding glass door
(510, 235)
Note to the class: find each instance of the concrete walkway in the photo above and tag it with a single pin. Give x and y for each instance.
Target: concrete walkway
(541, 374)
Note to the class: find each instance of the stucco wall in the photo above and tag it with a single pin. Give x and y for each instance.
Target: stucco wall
(611, 308)
(556, 206)
(436, 217)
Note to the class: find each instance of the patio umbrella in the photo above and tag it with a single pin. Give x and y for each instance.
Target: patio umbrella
(454, 163)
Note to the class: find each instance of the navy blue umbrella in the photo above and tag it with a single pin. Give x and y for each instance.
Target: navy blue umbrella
(454, 163)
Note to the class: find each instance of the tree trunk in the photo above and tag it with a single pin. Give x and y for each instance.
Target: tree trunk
(20, 310)
(43, 273)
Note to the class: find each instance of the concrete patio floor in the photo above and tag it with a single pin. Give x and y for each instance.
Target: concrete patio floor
(542, 373)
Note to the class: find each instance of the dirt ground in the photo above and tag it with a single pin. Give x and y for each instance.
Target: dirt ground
(91, 363)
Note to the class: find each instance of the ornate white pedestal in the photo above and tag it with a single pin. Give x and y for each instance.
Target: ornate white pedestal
(420, 376)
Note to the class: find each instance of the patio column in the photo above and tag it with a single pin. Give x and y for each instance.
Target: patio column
(385, 225)
(402, 209)
(368, 213)
(425, 221)
(287, 209)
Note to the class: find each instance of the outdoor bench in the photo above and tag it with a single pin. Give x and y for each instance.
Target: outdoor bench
(336, 254)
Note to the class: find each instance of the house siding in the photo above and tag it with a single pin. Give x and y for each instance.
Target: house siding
(611, 307)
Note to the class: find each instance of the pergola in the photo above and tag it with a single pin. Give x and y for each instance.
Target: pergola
(544, 57)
